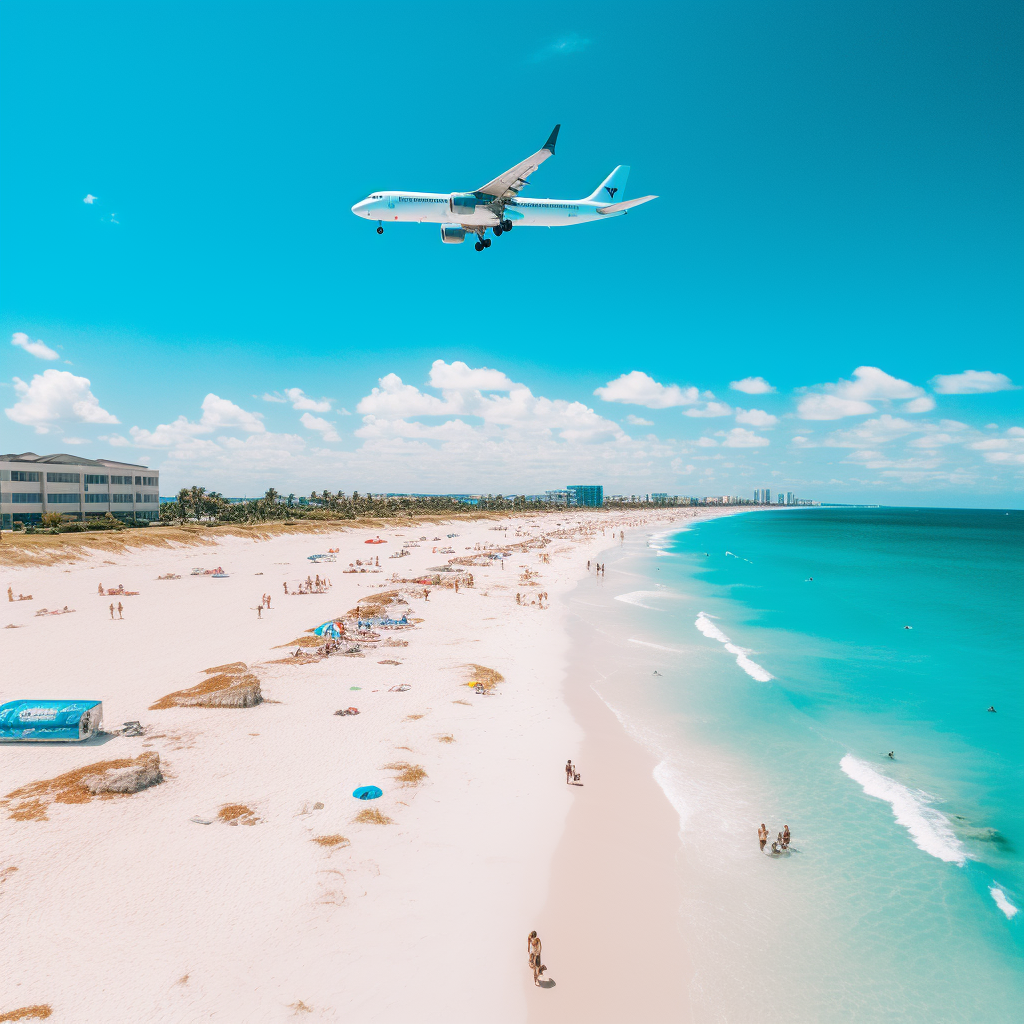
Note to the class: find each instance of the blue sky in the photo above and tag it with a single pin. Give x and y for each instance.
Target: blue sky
(841, 192)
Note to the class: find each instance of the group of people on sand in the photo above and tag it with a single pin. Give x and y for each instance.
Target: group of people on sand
(572, 777)
(120, 610)
(523, 599)
(310, 586)
(599, 566)
(781, 842)
(119, 592)
(20, 597)
(264, 603)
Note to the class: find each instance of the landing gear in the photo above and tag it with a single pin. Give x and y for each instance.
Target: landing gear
(380, 230)
(497, 230)
(486, 242)
(506, 225)
(479, 246)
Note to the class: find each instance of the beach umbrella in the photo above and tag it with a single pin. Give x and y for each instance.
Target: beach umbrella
(367, 793)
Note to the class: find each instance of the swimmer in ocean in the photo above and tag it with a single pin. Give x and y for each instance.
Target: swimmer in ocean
(990, 708)
(892, 756)
(908, 627)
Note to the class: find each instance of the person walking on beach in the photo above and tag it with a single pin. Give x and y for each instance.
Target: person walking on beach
(762, 836)
(569, 771)
(259, 610)
(120, 610)
(533, 949)
(111, 609)
(268, 602)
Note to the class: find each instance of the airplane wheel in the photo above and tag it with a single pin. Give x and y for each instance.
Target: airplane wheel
(487, 243)
(479, 246)
(507, 226)
(497, 231)
(380, 231)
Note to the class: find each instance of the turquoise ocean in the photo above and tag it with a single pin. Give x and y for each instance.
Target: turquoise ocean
(764, 658)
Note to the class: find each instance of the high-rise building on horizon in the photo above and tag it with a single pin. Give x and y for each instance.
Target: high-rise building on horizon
(586, 495)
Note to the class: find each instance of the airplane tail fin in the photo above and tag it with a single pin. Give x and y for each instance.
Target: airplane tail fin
(613, 188)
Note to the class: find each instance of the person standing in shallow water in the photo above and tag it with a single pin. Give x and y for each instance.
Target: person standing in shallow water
(762, 836)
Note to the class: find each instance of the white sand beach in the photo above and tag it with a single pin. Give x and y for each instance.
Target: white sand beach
(122, 907)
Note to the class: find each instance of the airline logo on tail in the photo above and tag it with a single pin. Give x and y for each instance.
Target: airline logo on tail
(611, 191)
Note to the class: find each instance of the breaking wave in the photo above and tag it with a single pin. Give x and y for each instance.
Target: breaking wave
(712, 632)
(930, 829)
(1002, 902)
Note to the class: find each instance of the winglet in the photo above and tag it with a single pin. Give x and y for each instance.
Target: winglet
(550, 144)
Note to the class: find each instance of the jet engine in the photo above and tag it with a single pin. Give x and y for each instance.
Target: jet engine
(464, 203)
(452, 235)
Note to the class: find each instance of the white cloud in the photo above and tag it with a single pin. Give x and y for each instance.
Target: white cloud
(831, 407)
(56, 395)
(740, 438)
(459, 376)
(90, 199)
(706, 442)
(756, 417)
(709, 411)
(1007, 450)
(885, 429)
(972, 382)
(303, 402)
(923, 404)
(33, 348)
(752, 386)
(520, 411)
(393, 398)
(637, 388)
(218, 414)
(853, 397)
(322, 426)
(639, 421)
(298, 400)
(221, 414)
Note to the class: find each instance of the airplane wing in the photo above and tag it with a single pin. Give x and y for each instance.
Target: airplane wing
(508, 185)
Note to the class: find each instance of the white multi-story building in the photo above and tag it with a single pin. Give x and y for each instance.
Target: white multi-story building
(32, 484)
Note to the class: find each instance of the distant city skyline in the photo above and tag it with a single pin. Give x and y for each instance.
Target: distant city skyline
(824, 299)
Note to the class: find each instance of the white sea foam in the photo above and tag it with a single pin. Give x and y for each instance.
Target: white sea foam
(712, 632)
(638, 597)
(658, 647)
(930, 829)
(1002, 902)
(664, 775)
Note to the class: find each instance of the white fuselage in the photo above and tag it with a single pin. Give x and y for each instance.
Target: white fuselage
(435, 208)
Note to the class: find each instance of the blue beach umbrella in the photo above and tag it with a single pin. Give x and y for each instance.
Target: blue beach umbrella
(367, 793)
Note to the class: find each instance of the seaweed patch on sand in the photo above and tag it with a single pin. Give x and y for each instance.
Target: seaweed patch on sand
(228, 686)
(488, 678)
(237, 814)
(408, 774)
(105, 779)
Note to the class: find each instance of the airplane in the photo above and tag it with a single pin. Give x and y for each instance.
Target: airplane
(497, 205)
